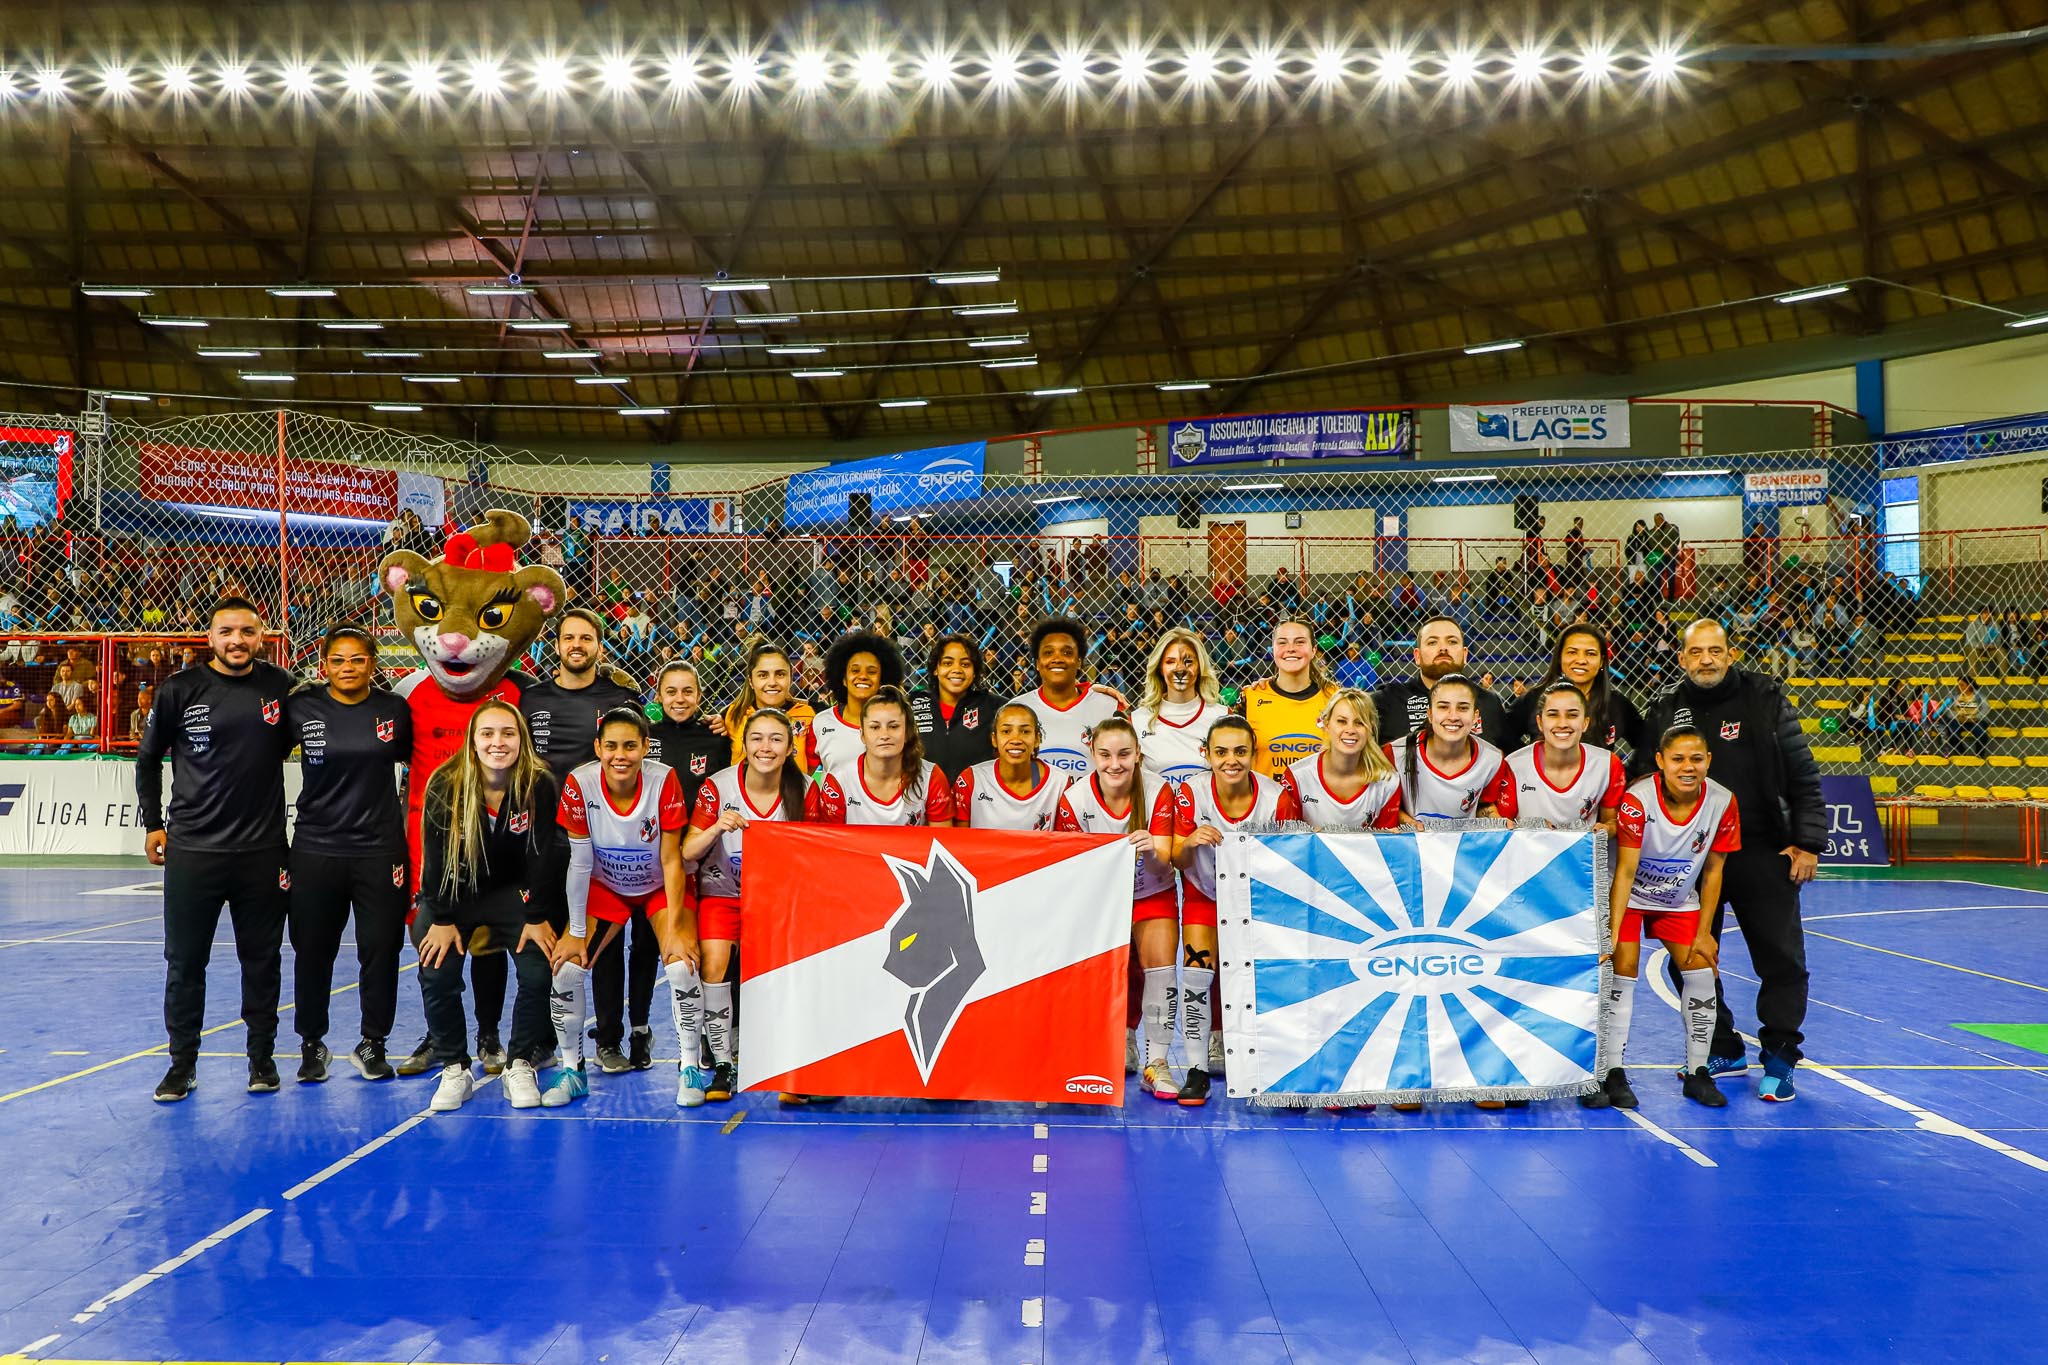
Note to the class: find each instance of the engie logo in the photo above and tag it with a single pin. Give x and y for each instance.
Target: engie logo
(946, 473)
(11, 792)
(1296, 746)
(1066, 760)
(1433, 962)
(1088, 1085)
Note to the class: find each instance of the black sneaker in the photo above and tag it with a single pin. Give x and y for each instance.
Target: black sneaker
(1195, 1089)
(1596, 1100)
(640, 1049)
(419, 1061)
(370, 1061)
(491, 1053)
(724, 1077)
(263, 1075)
(181, 1080)
(1700, 1087)
(1619, 1093)
(611, 1061)
(313, 1060)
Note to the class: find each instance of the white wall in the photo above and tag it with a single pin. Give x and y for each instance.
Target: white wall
(1606, 520)
(1973, 384)
(2004, 491)
(1837, 386)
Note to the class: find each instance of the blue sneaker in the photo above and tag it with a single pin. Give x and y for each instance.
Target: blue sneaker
(567, 1086)
(690, 1086)
(1718, 1067)
(1777, 1082)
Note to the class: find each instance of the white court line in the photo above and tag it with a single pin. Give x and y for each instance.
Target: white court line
(1966, 881)
(88, 929)
(359, 1153)
(152, 1275)
(1922, 910)
(1693, 1154)
(155, 888)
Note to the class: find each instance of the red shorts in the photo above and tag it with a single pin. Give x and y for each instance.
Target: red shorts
(1158, 905)
(1196, 908)
(1672, 926)
(607, 904)
(718, 917)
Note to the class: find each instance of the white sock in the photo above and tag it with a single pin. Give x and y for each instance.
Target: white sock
(718, 1019)
(686, 1004)
(565, 1004)
(1614, 1020)
(1702, 1004)
(1197, 986)
(1158, 1015)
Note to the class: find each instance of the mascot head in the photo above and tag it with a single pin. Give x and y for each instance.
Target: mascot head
(472, 612)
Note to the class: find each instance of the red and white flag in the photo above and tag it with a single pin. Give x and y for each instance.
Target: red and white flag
(946, 964)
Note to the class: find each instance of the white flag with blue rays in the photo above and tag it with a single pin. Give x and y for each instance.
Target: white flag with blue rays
(1370, 968)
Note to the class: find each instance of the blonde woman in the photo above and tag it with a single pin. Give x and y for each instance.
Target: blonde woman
(1351, 784)
(489, 814)
(1182, 699)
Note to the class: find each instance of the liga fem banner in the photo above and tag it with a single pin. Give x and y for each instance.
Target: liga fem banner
(929, 964)
(1365, 968)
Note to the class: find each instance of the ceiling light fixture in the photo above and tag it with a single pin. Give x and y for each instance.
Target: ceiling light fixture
(1489, 347)
(538, 325)
(1466, 478)
(497, 291)
(600, 379)
(2038, 320)
(986, 310)
(267, 377)
(1824, 291)
(736, 286)
(993, 343)
(433, 379)
(300, 291)
(796, 350)
(395, 407)
(643, 412)
(764, 319)
(176, 322)
(114, 291)
(816, 374)
(572, 355)
(1061, 392)
(969, 277)
(1694, 473)
(1021, 362)
(127, 397)
(391, 355)
(228, 355)
(1183, 386)
(905, 402)
(351, 326)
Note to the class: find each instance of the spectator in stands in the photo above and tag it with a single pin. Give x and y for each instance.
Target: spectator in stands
(66, 687)
(1884, 715)
(1963, 715)
(1859, 645)
(1576, 558)
(1406, 609)
(2022, 642)
(11, 702)
(10, 609)
(635, 630)
(1982, 637)
(1500, 586)
(50, 721)
(1237, 659)
(81, 725)
(1284, 593)
(145, 697)
(1665, 543)
(1224, 592)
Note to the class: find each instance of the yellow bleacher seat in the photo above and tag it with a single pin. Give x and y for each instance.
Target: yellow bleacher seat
(1862, 682)
(2022, 703)
(2038, 793)
(1807, 723)
(1948, 620)
(2020, 682)
(2035, 732)
(1933, 791)
(2008, 793)
(1969, 793)
(2037, 760)
(1883, 785)
(1799, 682)
(1825, 704)
(1895, 760)
(1848, 753)
(1966, 760)
(1933, 760)
(2003, 732)
(1948, 658)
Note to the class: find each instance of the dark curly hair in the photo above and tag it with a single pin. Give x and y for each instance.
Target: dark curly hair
(1060, 625)
(861, 642)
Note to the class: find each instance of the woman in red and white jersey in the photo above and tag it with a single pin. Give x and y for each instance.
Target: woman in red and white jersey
(1067, 706)
(1120, 797)
(768, 786)
(1233, 794)
(624, 814)
(858, 663)
(1351, 784)
(1182, 699)
(889, 782)
(1560, 780)
(1015, 789)
(1449, 773)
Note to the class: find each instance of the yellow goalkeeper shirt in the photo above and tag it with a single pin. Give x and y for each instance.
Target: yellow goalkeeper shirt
(1284, 728)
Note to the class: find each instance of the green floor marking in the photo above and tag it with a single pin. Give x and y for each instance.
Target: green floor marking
(2032, 1037)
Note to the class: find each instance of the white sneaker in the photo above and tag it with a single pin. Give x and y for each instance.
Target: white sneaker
(1130, 1052)
(456, 1086)
(522, 1085)
(1215, 1067)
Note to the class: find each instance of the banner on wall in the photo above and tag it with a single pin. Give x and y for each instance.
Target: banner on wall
(81, 806)
(35, 474)
(893, 483)
(1973, 440)
(1785, 488)
(1290, 436)
(1443, 965)
(235, 478)
(1554, 424)
(1855, 834)
(943, 965)
(423, 495)
(655, 517)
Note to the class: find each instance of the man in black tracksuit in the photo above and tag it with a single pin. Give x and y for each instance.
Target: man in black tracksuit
(222, 725)
(1761, 755)
(1403, 706)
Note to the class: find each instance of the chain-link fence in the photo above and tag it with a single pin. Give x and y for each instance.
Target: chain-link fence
(1901, 607)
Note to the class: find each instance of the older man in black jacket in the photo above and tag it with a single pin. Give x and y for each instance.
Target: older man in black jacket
(1761, 755)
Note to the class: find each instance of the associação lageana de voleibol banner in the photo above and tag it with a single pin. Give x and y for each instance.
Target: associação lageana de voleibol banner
(935, 964)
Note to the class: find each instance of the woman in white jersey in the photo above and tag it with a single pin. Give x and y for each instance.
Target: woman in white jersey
(889, 782)
(1015, 789)
(1233, 794)
(858, 663)
(1351, 784)
(624, 815)
(1120, 797)
(1676, 828)
(768, 786)
(1067, 706)
(1560, 780)
(1449, 773)
(1181, 701)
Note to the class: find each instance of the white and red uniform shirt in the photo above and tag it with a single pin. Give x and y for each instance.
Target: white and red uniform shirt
(1378, 806)
(1081, 812)
(625, 844)
(1196, 804)
(981, 801)
(1437, 795)
(831, 742)
(1065, 741)
(1171, 738)
(1527, 794)
(843, 797)
(1668, 868)
(718, 871)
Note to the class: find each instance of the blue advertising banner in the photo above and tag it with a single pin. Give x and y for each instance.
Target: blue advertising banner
(1290, 436)
(2007, 436)
(1392, 967)
(1855, 834)
(902, 482)
(655, 517)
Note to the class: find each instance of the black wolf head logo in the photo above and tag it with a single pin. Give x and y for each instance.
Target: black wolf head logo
(932, 950)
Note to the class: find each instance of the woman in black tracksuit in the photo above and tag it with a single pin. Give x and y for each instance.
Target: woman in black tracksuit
(954, 714)
(682, 738)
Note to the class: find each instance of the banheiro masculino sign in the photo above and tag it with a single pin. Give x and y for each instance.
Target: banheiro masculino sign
(1557, 424)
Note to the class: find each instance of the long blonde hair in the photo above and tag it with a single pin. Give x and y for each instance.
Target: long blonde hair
(1209, 689)
(1372, 758)
(456, 791)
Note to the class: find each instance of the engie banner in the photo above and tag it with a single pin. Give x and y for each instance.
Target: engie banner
(1290, 436)
(905, 481)
(1365, 968)
(935, 964)
(1554, 424)
(655, 516)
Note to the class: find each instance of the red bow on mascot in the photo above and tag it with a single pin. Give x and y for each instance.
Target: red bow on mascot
(471, 614)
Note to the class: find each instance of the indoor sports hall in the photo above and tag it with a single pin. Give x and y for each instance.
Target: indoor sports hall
(380, 384)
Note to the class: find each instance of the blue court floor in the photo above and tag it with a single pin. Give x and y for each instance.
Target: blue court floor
(1897, 1211)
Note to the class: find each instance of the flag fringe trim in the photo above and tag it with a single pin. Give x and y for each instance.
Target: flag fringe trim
(1449, 1095)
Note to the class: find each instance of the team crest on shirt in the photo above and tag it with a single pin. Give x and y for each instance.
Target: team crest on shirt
(1465, 806)
(522, 822)
(273, 712)
(698, 763)
(284, 879)
(398, 874)
(1731, 729)
(1699, 840)
(387, 730)
(971, 720)
(649, 828)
